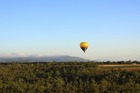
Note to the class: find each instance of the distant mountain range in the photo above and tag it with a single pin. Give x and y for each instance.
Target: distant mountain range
(43, 59)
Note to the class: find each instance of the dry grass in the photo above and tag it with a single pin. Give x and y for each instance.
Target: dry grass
(129, 67)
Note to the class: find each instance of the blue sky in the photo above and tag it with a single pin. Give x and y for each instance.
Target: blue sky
(56, 27)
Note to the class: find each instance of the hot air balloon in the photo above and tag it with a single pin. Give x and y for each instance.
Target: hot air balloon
(84, 46)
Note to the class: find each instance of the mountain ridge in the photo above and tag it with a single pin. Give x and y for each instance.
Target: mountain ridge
(59, 58)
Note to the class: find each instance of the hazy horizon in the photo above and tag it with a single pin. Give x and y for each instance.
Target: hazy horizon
(16, 55)
(47, 28)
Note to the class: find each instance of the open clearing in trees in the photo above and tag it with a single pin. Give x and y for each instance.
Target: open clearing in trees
(129, 67)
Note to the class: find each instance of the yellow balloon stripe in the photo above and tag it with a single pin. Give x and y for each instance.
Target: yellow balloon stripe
(84, 46)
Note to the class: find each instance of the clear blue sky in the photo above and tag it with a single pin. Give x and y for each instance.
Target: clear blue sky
(56, 27)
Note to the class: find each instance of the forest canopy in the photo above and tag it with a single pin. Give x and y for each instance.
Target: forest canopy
(70, 77)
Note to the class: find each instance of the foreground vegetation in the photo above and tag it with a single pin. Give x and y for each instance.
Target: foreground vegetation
(70, 77)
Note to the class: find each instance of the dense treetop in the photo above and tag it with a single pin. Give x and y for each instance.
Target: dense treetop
(70, 77)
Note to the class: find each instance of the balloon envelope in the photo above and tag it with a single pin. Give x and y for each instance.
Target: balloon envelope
(84, 46)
